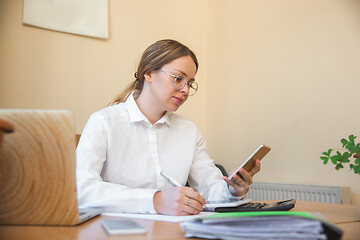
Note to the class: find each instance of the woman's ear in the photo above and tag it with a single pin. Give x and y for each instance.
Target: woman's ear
(148, 77)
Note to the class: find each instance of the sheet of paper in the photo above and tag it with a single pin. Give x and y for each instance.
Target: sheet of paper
(158, 217)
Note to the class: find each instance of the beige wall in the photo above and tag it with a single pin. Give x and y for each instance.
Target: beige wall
(284, 73)
(47, 69)
(287, 74)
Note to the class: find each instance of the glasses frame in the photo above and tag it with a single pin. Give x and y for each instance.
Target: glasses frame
(193, 85)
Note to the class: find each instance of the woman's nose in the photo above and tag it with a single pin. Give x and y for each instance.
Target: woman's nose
(185, 89)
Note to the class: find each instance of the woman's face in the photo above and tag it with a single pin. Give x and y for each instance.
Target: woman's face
(166, 97)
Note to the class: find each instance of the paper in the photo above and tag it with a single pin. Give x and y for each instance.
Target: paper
(159, 217)
(259, 225)
(84, 17)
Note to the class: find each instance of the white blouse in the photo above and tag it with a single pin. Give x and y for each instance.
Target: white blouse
(120, 156)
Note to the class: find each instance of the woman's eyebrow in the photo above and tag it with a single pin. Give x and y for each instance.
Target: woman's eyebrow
(184, 74)
(180, 72)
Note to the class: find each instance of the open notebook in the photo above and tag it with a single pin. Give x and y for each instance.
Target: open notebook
(37, 170)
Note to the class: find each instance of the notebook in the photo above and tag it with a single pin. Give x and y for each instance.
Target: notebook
(37, 170)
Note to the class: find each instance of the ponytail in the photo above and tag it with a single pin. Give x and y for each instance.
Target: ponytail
(135, 85)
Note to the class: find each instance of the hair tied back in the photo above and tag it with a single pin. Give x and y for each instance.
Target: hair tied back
(136, 76)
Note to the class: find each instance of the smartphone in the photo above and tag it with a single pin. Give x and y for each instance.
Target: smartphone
(117, 226)
(249, 164)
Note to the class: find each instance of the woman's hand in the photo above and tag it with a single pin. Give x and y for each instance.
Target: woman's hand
(239, 186)
(178, 201)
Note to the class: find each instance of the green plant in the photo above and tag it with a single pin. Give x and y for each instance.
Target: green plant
(351, 149)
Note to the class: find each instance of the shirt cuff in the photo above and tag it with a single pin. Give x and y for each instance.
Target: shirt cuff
(229, 193)
(146, 201)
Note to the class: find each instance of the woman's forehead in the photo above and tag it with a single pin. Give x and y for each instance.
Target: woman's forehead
(184, 65)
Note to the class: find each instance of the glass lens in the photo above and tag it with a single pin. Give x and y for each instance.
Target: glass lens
(193, 87)
(179, 81)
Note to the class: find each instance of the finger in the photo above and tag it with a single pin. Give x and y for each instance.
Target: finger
(238, 177)
(195, 204)
(246, 177)
(242, 182)
(194, 200)
(191, 193)
(235, 182)
(192, 207)
(230, 182)
(236, 189)
(256, 168)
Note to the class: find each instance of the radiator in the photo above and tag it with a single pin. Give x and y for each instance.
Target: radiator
(316, 193)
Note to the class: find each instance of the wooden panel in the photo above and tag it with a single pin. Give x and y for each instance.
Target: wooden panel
(77, 138)
(5, 127)
(37, 169)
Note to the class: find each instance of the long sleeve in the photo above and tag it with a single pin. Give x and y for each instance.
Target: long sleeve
(91, 155)
(204, 176)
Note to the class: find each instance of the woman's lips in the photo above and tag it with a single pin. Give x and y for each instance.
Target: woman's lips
(179, 100)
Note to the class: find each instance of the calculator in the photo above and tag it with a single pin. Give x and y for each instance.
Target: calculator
(284, 205)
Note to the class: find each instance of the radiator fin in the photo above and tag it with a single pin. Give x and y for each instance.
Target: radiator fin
(262, 191)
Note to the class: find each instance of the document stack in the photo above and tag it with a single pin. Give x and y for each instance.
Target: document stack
(261, 225)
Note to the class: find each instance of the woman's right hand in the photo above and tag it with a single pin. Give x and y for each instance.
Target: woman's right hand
(178, 201)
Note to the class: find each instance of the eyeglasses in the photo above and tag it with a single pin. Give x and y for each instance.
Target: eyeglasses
(180, 81)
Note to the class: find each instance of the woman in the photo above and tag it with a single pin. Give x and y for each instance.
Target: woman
(126, 149)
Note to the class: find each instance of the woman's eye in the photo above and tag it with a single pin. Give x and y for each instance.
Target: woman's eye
(179, 78)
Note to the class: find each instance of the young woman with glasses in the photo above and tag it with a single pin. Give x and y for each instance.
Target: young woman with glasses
(137, 155)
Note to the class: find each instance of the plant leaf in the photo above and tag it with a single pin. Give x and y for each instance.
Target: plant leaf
(357, 161)
(338, 166)
(333, 160)
(344, 142)
(329, 152)
(357, 148)
(345, 157)
(336, 157)
(357, 169)
(325, 159)
(352, 138)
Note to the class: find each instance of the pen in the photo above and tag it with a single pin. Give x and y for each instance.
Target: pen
(171, 180)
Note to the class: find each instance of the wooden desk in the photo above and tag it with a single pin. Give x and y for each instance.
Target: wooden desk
(347, 217)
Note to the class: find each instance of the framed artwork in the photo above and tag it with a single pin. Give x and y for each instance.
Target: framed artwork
(83, 17)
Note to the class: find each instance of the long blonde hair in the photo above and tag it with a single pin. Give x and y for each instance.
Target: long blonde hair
(154, 57)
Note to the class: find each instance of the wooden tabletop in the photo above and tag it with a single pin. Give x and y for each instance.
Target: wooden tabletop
(347, 217)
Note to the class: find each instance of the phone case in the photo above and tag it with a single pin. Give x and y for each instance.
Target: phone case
(259, 153)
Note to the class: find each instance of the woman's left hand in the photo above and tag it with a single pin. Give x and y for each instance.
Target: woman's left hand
(239, 186)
